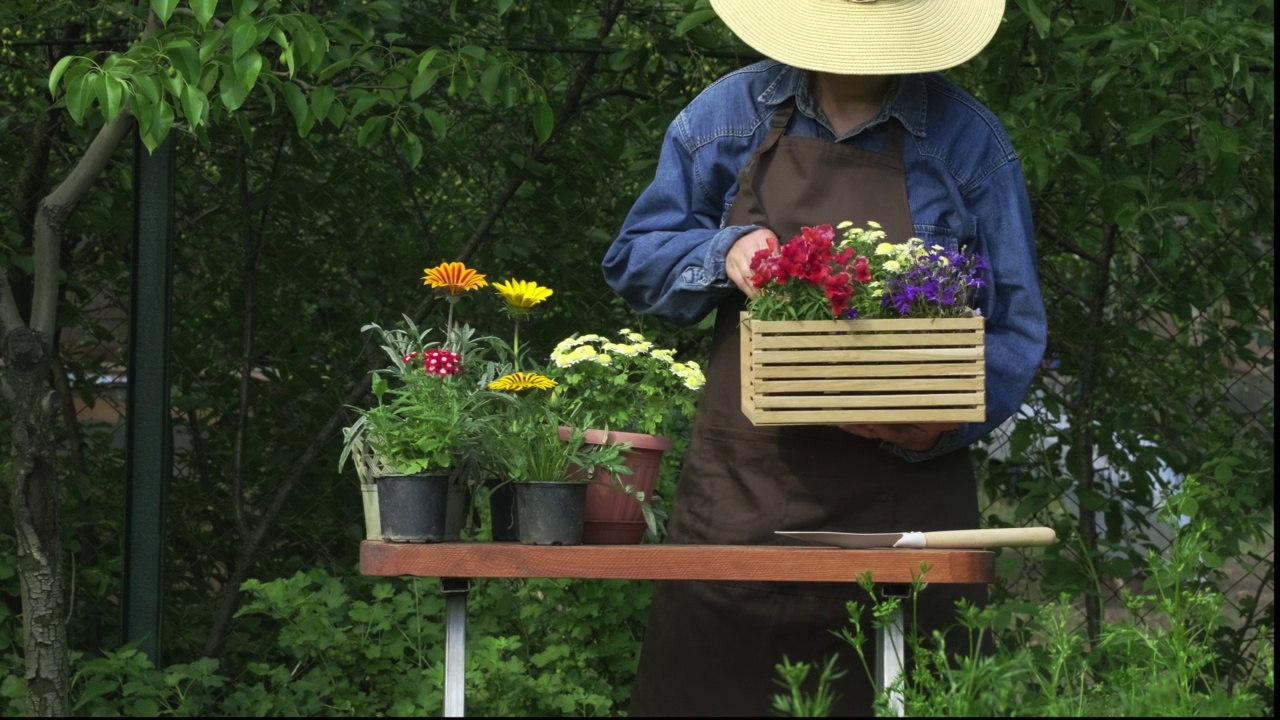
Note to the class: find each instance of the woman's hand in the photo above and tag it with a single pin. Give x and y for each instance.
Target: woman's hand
(917, 437)
(737, 262)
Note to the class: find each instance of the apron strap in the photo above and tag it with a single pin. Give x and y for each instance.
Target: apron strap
(894, 149)
(777, 127)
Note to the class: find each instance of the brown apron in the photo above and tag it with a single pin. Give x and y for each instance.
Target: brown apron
(711, 647)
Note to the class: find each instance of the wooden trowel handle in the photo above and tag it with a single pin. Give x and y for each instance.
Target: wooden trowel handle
(994, 537)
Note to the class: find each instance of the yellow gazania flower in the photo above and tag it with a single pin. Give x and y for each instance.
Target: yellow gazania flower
(522, 381)
(522, 294)
(454, 277)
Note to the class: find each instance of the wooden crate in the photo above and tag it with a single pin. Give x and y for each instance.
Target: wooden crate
(863, 371)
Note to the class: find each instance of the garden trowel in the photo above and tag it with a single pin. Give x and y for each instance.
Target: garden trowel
(995, 537)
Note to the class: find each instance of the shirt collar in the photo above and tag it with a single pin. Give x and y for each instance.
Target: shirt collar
(906, 100)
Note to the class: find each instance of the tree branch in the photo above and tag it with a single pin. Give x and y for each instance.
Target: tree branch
(267, 523)
(51, 223)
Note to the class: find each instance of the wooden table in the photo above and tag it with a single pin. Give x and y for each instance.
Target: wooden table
(457, 563)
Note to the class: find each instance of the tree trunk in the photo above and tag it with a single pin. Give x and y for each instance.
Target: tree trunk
(29, 393)
(36, 523)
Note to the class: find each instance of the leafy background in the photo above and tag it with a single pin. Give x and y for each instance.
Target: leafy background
(329, 150)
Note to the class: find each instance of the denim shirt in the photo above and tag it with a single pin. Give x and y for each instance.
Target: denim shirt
(964, 187)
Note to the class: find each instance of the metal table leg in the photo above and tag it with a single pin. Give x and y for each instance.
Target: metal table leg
(890, 642)
(455, 643)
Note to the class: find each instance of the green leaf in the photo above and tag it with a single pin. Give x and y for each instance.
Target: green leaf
(243, 7)
(474, 51)
(321, 99)
(204, 10)
(231, 92)
(489, 82)
(247, 67)
(1039, 20)
(337, 113)
(296, 101)
(164, 9)
(423, 82)
(426, 58)
(79, 95)
(186, 60)
(412, 148)
(504, 6)
(1144, 129)
(245, 37)
(110, 90)
(371, 130)
(56, 73)
(695, 19)
(436, 121)
(543, 122)
(194, 105)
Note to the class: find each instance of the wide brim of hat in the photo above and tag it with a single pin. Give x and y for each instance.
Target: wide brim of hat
(880, 37)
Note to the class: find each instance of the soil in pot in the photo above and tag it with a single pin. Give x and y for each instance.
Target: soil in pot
(550, 513)
(412, 507)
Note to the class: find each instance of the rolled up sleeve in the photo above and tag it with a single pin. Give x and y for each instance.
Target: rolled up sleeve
(668, 259)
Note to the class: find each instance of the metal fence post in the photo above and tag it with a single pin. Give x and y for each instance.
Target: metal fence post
(148, 428)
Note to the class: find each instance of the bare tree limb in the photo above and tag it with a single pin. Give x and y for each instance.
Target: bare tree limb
(51, 224)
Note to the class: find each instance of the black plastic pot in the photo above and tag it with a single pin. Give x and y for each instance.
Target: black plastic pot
(412, 507)
(502, 512)
(550, 513)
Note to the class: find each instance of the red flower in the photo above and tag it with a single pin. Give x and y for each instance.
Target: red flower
(861, 270)
(442, 362)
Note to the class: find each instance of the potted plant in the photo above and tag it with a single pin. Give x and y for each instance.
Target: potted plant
(857, 329)
(426, 425)
(550, 475)
(639, 389)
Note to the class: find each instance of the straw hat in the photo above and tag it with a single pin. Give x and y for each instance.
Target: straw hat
(864, 37)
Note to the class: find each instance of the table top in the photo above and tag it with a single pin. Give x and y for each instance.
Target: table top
(775, 563)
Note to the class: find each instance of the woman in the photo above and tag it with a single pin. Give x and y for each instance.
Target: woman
(846, 122)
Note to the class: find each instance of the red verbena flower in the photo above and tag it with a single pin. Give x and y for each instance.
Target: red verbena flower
(442, 362)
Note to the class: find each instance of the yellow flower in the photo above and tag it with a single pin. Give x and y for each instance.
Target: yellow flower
(885, 249)
(454, 277)
(522, 295)
(522, 381)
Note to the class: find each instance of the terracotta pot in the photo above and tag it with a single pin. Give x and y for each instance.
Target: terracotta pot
(612, 517)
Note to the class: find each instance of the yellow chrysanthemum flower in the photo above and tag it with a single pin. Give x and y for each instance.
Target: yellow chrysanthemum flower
(885, 249)
(453, 277)
(522, 381)
(522, 295)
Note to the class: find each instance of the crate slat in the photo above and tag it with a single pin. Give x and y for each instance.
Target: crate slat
(888, 416)
(895, 385)
(869, 356)
(867, 340)
(904, 369)
(863, 371)
(831, 402)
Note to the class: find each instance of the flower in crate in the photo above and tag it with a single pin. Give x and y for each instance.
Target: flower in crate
(626, 382)
(814, 276)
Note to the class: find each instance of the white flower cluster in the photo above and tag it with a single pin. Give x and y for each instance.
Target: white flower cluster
(576, 349)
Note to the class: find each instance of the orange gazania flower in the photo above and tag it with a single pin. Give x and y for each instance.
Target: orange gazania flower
(522, 295)
(453, 277)
(522, 381)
